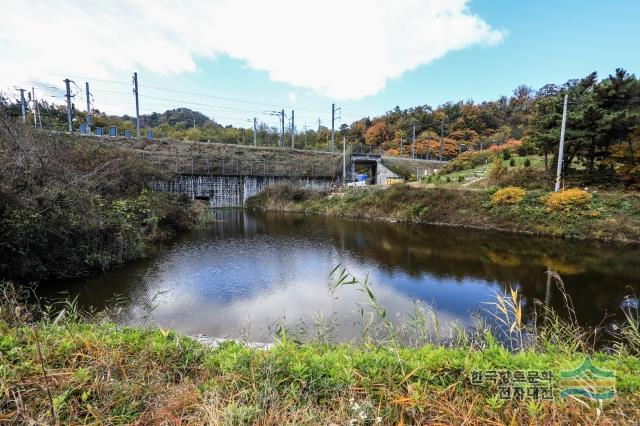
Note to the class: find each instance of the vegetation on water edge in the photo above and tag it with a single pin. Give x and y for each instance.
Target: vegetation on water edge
(61, 366)
(67, 208)
(607, 216)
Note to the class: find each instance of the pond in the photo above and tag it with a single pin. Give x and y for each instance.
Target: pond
(250, 273)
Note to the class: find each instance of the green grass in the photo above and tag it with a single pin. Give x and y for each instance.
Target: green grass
(101, 373)
(475, 177)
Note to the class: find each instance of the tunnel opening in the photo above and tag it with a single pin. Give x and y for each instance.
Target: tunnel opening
(366, 167)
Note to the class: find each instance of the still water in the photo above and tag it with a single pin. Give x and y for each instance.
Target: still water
(250, 272)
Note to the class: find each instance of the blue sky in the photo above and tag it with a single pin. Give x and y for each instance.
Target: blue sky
(485, 50)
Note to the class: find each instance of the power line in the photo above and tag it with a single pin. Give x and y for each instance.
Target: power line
(225, 98)
(230, 99)
(198, 94)
(180, 101)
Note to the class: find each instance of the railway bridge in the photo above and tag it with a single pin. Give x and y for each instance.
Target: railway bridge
(226, 175)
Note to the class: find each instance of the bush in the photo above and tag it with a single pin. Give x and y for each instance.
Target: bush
(569, 199)
(512, 163)
(68, 208)
(506, 154)
(526, 177)
(87, 233)
(497, 171)
(527, 162)
(509, 195)
(460, 179)
(277, 196)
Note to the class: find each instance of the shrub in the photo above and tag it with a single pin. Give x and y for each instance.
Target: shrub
(506, 154)
(568, 199)
(527, 162)
(497, 171)
(508, 195)
(277, 196)
(460, 179)
(527, 177)
(512, 163)
(448, 179)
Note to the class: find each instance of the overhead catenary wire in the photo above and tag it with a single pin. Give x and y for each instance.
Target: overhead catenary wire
(230, 99)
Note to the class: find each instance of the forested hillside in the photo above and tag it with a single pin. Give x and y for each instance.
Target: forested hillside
(603, 126)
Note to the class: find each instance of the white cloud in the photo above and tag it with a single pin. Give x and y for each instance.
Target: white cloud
(341, 49)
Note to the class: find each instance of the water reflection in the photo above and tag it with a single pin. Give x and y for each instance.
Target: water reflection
(251, 271)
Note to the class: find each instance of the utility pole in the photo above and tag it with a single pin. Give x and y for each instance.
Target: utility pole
(319, 122)
(293, 129)
(68, 96)
(333, 118)
(344, 160)
(333, 125)
(561, 148)
(413, 143)
(34, 109)
(282, 129)
(305, 135)
(135, 92)
(255, 132)
(23, 106)
(441, 138)
(88, 94)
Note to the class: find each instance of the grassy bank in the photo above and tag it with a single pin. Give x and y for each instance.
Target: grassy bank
(68, 208)
(69, 369)
(604, 216)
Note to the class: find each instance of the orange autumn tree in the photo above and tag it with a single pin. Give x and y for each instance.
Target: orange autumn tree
(451, 148)
(468, 137)
(512, 145)
(377, 134)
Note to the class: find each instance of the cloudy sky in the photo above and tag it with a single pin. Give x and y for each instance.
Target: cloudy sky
(236, 59)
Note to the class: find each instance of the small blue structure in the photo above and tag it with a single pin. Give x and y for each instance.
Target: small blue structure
(83, 129)
(98, 131)
(113, 131)
(127, 133)
(149, 134)
(363, 177)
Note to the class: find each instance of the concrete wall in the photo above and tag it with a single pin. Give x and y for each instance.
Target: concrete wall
(230, 191)
(383, 173)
